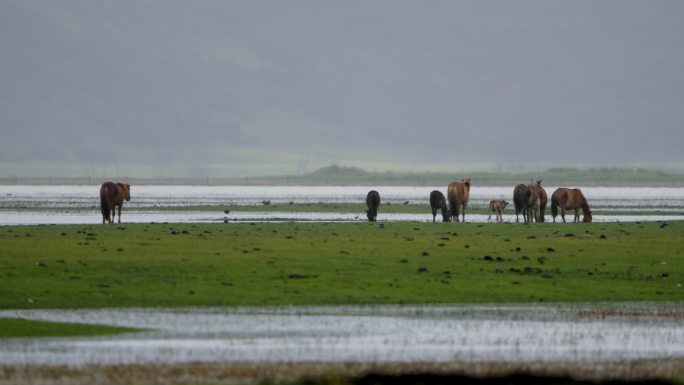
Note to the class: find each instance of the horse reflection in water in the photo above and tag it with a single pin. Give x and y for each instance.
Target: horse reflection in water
(113, 195)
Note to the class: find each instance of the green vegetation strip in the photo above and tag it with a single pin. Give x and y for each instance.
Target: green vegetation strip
(249, 264)
(17, 328)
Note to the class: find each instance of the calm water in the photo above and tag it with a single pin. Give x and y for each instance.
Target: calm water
(79, 204)
(519, 333)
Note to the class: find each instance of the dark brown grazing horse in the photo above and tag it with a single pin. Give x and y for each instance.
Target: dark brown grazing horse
(570, 199)
(437, 201)
(112, 195)
(372, 201)
(458, 193)
(526, 202)
(535, 185)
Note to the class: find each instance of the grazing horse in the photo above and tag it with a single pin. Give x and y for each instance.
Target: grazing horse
(496, 206)
(570, 199)
(437, 201)
(112, 195)
(458, 193)
(526, 201)
(372, 201)
(535, 185)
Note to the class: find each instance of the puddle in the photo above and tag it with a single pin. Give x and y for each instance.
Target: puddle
(552, 333)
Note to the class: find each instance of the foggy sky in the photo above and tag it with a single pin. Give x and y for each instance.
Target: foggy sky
(231, 88)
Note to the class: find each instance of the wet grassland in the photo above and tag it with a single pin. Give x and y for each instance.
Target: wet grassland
(256, 264)
(287, 263)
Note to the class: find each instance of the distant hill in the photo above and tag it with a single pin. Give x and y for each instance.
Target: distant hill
(341, 175)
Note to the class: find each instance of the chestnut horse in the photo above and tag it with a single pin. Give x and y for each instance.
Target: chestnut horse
(112, 195)
(570, 199)
(535, 185)
(437, 201)
(458, 194)
(372, 201)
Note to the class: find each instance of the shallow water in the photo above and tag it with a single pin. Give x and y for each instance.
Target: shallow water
(145, 216)
(520, 333)
(79, 204)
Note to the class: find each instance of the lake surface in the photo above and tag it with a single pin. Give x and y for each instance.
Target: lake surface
(80, 204)
(578, 333)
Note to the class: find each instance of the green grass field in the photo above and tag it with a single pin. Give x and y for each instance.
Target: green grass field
(248, 264)
(12, 328)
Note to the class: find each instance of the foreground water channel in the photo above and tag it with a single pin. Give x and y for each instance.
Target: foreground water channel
(580, 333)
(80, 204)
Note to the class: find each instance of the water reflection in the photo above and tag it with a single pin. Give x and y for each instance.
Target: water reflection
(525, 333)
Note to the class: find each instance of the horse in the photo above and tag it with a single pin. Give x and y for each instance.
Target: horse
(526, 201)
(437, 201)
(112, 195)
(496, 206)
(458, 193)
(570, 199)
(535, 185)
(372, 201)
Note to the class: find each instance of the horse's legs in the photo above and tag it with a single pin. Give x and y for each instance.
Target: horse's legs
(119, 212)
(563, 213)
(434, 214)
(576, 219)
(464, 207)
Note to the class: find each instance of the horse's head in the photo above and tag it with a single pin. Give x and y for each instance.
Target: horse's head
(446, 215)
(504, 204)
(127, 190)
(466, 181)
(587, 217)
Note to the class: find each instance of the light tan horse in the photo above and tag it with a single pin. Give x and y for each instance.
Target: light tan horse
(535, 185)
(458, 194)
(570, 199)
(112, 195)
(496, 206)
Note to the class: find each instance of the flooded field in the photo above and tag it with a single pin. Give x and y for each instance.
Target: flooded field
(581, 334)
(80, 204)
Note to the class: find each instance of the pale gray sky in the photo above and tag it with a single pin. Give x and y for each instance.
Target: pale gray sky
(232, 88)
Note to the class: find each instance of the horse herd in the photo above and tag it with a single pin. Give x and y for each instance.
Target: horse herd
(530, 200)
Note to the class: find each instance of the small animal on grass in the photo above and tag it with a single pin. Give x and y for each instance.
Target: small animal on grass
(535, 185)
(113, 195)
(438, 201)
(458, 194)
(266, 202)
(373, 202)
(496, 206)
(570, 199)
(526, 202)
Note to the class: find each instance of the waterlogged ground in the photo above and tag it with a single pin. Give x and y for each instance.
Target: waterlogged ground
(80, 204)
(578, 334)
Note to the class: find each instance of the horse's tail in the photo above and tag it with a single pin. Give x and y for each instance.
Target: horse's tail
(104, 204)
(554, 205)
